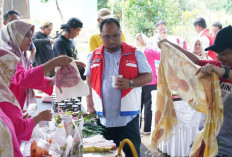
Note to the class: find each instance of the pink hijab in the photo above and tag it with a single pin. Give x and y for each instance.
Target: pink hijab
(11, 37)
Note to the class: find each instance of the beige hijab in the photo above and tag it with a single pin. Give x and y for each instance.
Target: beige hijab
(11, 37)
(6, 145)
(8, 65)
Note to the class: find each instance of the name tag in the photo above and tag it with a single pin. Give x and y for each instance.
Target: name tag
(131, 64)
(94, 65)
(96, 61)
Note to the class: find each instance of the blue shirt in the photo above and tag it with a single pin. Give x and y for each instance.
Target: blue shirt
(111, 97)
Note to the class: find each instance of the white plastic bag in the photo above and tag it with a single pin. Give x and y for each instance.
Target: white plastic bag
(69, 83)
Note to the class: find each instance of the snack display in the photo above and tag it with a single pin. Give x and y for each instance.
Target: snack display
(64, 135)
(99, 144)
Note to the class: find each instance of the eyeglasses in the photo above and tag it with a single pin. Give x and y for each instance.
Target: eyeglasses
(114, 37)
(162, 30)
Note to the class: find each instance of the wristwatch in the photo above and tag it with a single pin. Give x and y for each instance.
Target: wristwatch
(132, 84)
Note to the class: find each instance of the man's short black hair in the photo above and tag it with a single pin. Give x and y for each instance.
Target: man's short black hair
(10, 12)
(73, 22)
(109, 21)
(200, 22)
(160, 23)
(217, 24)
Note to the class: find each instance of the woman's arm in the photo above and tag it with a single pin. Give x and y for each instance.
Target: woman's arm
(62, 60)
(32, 78)
(23, 127)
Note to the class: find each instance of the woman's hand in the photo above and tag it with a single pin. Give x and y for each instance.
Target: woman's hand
(62, 60)
(79, 63)
(45, 115)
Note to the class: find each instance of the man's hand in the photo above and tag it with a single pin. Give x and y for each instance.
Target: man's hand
(122, 83)
(161, 41)
(91, 110)
(51, 41)
(206, 70)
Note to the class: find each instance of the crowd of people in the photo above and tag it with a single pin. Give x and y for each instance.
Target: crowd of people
(120, 107)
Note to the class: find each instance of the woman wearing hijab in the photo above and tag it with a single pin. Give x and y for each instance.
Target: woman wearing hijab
(8, 144)
(198, 49)
(16, 37)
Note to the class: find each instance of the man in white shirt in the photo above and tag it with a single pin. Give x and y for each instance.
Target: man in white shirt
(205, 36)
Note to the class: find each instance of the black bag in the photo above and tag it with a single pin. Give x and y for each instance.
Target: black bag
(82, 71)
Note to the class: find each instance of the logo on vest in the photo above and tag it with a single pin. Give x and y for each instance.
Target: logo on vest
(227, 87)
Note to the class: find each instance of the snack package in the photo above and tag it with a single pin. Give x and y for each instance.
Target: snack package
(33, 148)
(42, 148)
(69, 83)
(99, 144)
(69, 142)
(77, 147)
(55, 149)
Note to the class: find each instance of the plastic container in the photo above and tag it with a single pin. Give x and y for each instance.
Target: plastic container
(60, 134)
(61, 130)
(68, 125)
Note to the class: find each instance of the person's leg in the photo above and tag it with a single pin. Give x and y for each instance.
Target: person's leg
(147, 107)
(132, 132)
(110, 133)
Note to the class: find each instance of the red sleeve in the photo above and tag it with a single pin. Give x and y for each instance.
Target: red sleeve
(214, 62)
(23, 127)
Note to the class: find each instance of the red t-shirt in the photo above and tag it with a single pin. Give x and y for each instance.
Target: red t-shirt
(216, 63)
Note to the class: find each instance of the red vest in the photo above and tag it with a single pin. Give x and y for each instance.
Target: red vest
(128, 68)
(207, 33)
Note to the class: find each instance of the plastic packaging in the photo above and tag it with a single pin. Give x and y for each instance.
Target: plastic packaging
(42, 148)
(68, 125)
(33, 148)
(60, 135)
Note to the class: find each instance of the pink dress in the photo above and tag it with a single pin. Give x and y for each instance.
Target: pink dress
(32, 78)
(152, 55)
(9, 124)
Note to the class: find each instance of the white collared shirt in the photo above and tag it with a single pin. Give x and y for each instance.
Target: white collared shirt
(204, 39)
